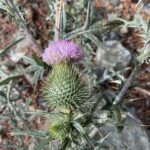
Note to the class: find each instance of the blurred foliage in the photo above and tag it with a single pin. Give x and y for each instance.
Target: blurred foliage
(143, 26)
(77, 23)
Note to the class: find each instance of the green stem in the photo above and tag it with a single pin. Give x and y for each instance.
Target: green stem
(66, 141)
(65, 144)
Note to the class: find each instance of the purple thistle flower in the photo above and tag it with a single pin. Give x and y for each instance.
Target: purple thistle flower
(61, 51)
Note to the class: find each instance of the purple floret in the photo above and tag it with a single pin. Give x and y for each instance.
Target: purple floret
(61, 51)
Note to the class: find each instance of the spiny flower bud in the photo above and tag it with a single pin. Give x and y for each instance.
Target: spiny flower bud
(64, 87)
(60, 127)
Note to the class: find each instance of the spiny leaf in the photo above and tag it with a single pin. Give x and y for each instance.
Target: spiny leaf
(73, 33)
(8, 79)
(36, 67)
(99, 26)
(37, 134)
(82, 132)
(39, 61)
(44, 114)
(29, 60)
(117, 117)
(94, 39)
(87, 21)
(41, 145)
(3, 94)
(4, 7)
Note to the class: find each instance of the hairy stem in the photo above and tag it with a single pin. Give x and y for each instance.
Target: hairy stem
(59, 5)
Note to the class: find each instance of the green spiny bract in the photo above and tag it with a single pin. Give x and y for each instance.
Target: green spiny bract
(65, 88)
(60, 127)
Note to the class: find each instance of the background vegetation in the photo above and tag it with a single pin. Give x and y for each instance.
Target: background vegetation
(115, 37)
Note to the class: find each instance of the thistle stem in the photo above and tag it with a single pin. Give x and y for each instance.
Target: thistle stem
(59, 5)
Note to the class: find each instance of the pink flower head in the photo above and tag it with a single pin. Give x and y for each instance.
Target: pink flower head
(61, 51)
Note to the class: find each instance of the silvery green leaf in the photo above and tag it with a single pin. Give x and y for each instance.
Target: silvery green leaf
(94, 39)
(37, 134)
(82, 132)
(8, 79)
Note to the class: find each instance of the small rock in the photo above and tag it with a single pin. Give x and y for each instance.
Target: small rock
(132, 137)
(113, 55)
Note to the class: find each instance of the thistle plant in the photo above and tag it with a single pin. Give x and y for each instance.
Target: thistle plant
(65, 88)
